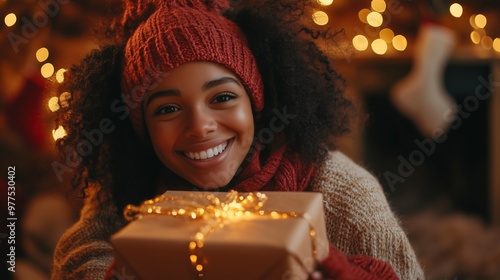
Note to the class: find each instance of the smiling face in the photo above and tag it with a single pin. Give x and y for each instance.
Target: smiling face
(200, 122)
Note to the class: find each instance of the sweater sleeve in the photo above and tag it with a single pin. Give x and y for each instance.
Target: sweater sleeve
(84, 251)
(359, 219)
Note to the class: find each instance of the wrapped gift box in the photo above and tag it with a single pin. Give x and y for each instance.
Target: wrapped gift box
(256, 247)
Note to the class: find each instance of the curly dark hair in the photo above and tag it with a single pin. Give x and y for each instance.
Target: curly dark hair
(297, 76)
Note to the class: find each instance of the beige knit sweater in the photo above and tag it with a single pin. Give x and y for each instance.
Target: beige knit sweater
(359, 221)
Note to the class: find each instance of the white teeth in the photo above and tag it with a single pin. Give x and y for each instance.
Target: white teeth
(203, 155)
(209, 153)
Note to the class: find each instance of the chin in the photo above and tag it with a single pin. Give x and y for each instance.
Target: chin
(211, 186)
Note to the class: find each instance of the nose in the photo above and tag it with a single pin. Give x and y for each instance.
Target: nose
(200, 123)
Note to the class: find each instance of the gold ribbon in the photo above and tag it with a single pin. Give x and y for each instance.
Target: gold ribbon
(215, 212)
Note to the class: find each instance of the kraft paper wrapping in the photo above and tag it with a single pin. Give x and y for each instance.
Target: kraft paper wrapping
(156, 246)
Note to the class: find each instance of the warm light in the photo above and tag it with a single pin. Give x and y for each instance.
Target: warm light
(360, 42)
(475, 37)
(480, 21)
(472, 21)
(363, 14)
(387, 35)
(379, 46)
(399, 42)
(496, 44)
(192, 245)
(481, 32)
(42, 54)
(378, 5)
(375, 19)
(456, 10)
(199, 236)
(487, 42)
(10, 19)
(325, 2)
(60, 75)
(320, 18)
(193, 258)
(199, 267)
(54, 104)
(47, 70)
(59, 133)
(64, 99)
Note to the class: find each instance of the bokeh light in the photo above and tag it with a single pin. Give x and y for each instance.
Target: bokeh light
(379, 46)
(10, 19)
(60, 75)
(375, 19)
(47, 70)
(496, 44)
(363, 14)
(59, 133)
(320, 18)
(378, 6)
(325, 2)
(475, 37)
(399, 42)
(480, 21)
(456, 10)
(387, 35)
(54, 104)
(42, 54)
(64, 99)
(360, 42)
(487, 42)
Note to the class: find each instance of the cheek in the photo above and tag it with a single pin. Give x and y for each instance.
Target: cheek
(245, 122)
(162, 140)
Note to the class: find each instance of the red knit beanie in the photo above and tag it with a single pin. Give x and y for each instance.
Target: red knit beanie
(173, 32)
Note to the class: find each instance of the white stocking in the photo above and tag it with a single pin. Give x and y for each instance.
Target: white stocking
(421, 96)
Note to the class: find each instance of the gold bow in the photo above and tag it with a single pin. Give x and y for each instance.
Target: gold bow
(215, 212)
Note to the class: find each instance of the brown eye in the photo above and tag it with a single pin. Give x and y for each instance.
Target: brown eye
(166, 110)
(224, 97)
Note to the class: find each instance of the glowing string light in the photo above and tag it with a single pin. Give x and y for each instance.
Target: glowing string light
(42, 54)
(59, 133)
(360, 42)
(378, 6)
(475, 37)
(47, 70)
(214, 212)
(325, 2)
(363, 14)
(387, 35)
(456, 10)
(320, 18)
(399, 43)
(10, 19)
(379, 46)
(54, 104)
(60, 75)
(480, 21)
(375, 19)
(496, 44)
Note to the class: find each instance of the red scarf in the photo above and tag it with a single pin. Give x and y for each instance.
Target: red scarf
(282, 171)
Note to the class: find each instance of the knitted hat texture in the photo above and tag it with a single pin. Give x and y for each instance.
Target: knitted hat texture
(173, 32)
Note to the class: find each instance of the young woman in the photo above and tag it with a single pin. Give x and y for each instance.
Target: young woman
(190, 100)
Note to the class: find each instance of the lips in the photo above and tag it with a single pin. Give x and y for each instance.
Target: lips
(208, 153)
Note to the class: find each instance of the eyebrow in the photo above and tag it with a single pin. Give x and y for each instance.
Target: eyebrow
(218, 82)
(208, 85)
(164, 93)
